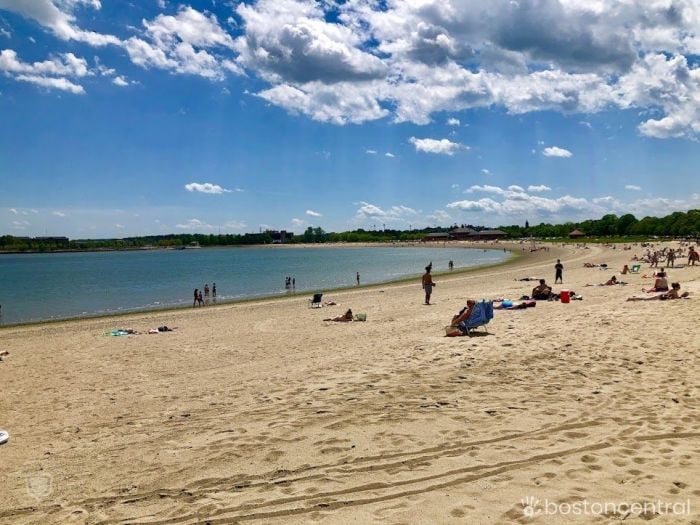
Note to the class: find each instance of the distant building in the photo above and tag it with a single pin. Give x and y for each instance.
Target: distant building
(467, 234)
(280, 237)
(462, 234)
(576, 234)
(488, 235)
(436, 237)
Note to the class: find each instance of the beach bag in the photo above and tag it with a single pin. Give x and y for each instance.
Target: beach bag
(360, 317)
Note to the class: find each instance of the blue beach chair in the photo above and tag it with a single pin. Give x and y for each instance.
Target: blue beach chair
(480, 316)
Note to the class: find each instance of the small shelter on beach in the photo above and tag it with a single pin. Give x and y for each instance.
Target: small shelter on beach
(576, 234)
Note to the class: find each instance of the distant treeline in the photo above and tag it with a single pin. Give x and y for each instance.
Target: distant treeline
(678, 224)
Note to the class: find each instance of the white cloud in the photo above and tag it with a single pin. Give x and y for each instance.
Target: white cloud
(206, 187)
(234, 225)
(554, 151)
(453, 121)
(539, 188)
(14, 211)
(51, 74)
(58, 213)
(368, 211)
(389, 154)
(440, 147)
(194, 225)
(514, 204)
(633, 187)
(298, 222)
(371, 152)
(190, 42)
(423, 57)
(57, 15)
(313, 213)
(119, 226)
(485, 171)
(120, 81)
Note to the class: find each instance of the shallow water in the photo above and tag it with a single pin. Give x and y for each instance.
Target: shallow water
(61, 285)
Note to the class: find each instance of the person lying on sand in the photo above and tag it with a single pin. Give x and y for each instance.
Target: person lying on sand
(674, 293)
(529, 279)
(345, 318)
(610, 282)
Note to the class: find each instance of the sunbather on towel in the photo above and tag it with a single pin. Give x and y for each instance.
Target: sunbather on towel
(660, 285)
(542, 291)
(345, 318)
(674, 293)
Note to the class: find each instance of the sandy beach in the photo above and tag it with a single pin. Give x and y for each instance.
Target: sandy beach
(262, 412)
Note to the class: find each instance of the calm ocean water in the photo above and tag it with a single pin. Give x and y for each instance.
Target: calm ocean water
(62, 285)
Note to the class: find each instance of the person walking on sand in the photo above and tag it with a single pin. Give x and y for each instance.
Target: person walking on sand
(427, 281)
(357, 276)
(559, 270)
(196, 296)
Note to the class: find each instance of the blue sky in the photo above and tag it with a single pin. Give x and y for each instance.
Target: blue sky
(163, 117)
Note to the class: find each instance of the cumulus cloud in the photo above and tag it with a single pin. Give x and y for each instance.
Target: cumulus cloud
(420, 58)
(440, 147)
(298, 222)
(538, 188)
(58, 17)
(633, 187)
(371, 151)
(554, 151)
(189, 42)
(120, 81)
(206, 187)
(53, 73)
(194, 225)
(313, 213)
(394, 213)
(453, 121)
(516, 204)
(389, 154)
(58, 213)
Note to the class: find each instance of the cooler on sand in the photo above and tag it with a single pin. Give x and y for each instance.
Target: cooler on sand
(564, 296)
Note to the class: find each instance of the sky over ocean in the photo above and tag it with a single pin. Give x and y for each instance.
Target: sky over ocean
(151, 117)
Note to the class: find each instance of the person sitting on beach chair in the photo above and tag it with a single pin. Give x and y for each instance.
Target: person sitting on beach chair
(542, 291)
(316, 300)
(345, 318)
(470, 317)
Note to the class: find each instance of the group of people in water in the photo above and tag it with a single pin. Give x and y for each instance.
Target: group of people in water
(201, 297)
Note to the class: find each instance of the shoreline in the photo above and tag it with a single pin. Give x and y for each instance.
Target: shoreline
(514, 257)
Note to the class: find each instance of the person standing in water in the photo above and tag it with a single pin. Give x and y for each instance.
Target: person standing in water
(357, 276)
(213, 291)
(196, 296)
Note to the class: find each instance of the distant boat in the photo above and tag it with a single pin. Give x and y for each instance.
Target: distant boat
(193, 244)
